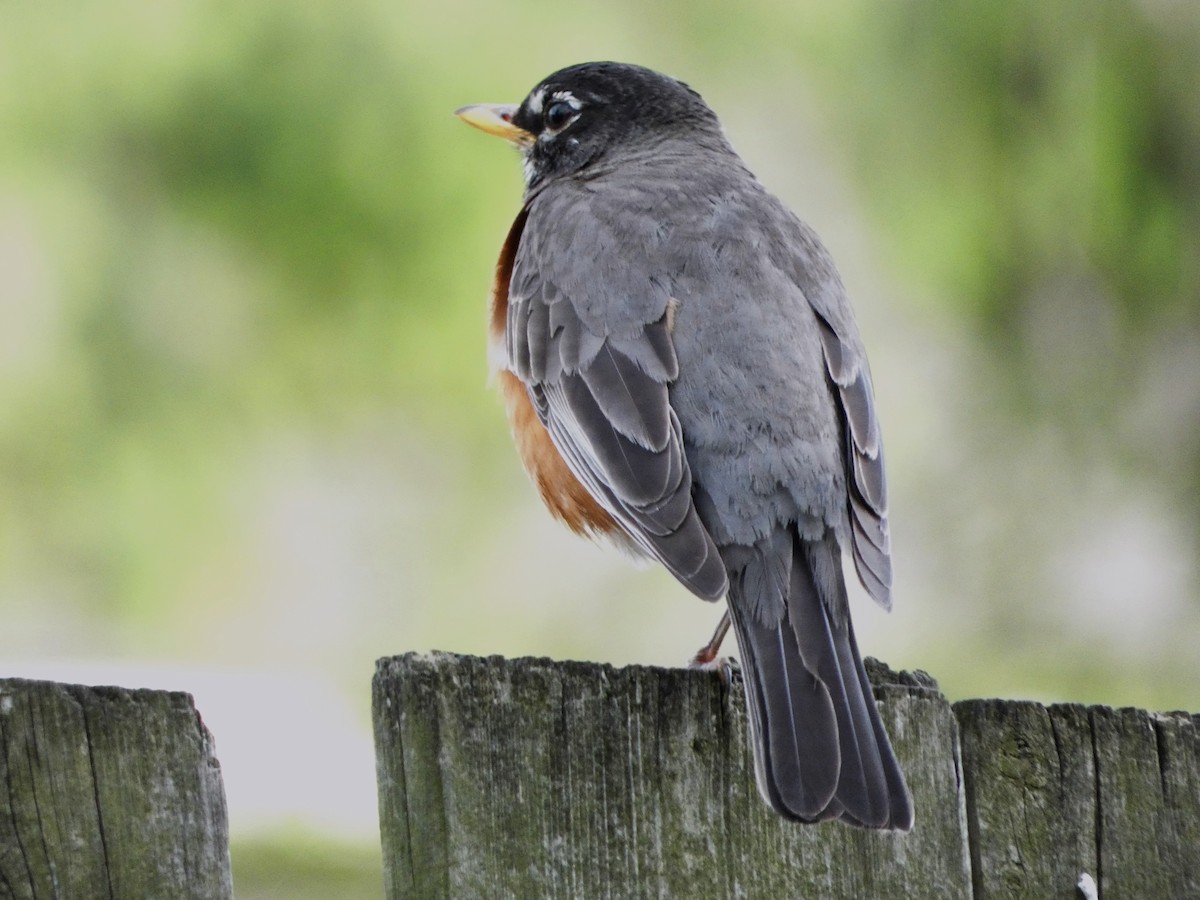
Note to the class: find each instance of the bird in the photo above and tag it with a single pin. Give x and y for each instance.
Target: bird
(683, 375)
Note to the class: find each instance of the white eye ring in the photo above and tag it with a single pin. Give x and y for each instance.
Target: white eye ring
(559, 115)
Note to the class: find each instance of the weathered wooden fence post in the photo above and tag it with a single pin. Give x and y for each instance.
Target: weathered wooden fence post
(531, 778)
(107, 792)
(1056, 790)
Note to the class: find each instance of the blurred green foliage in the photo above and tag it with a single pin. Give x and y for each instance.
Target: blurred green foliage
(225, 215)
(1051, 160)
(305, 869)
(231, 216)
(244, 249)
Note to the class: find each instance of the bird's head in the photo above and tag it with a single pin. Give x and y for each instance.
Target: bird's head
(594, 113)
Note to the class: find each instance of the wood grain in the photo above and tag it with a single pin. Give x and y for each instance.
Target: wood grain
(107, 792)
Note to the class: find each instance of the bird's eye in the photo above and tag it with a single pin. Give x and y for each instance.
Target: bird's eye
(560, 115)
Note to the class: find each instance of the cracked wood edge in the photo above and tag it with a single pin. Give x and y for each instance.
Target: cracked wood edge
(108, 792)
(531, 777)
(1056, 792)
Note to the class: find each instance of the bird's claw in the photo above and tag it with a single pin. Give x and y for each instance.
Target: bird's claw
(727, 667)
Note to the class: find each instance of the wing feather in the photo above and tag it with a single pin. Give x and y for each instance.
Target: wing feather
(601, 387)
(870, 542)
(618, 387)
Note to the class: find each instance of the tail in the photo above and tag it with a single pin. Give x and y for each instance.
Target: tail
(820, 751)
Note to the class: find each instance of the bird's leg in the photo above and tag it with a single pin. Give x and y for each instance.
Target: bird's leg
(706, 657)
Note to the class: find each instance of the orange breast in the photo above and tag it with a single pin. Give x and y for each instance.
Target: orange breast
(561, 491)
(566, 498)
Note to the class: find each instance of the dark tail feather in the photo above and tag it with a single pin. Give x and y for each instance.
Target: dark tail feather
(819, 746)
(793, 729)
(899, 800)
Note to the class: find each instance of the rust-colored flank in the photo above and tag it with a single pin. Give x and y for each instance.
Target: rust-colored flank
(561, 491)
(498, 302)
(566, 498)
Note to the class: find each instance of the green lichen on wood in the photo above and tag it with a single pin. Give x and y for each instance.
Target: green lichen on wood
(1030, 797)
(547, 779)
(1053, 792)
(1148, 828)
(106, 792)
(515, 778)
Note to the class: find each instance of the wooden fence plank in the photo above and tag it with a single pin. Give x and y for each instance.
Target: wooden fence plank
(532, 778)
(107, 792)
(1148, 770)
(1030, 783)
(1056, 791)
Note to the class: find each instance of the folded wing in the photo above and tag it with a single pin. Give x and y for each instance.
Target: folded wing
(601, 389)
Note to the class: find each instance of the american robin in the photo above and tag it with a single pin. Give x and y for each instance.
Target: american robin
(683, 374)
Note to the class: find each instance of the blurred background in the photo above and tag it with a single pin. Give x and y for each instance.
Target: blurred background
(246, 444)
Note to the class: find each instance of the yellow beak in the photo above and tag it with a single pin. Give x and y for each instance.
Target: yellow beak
(496, 118)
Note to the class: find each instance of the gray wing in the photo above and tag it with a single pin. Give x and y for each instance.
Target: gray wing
(866, 484)
(846, 364)
(596, 357)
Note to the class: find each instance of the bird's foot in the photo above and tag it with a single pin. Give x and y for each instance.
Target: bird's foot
(706, 654)
(706, 657)
(727, 667)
